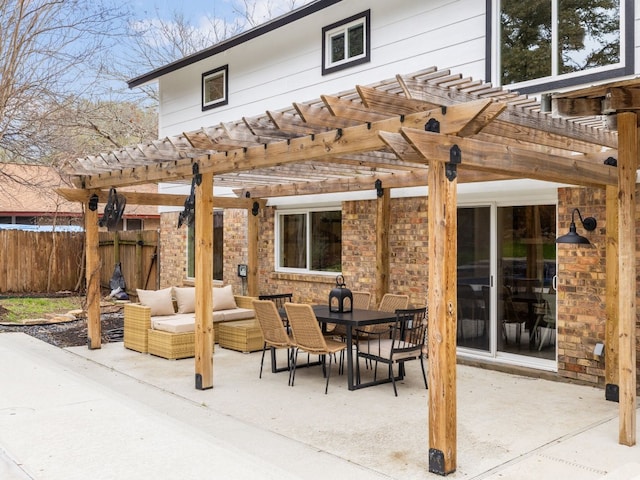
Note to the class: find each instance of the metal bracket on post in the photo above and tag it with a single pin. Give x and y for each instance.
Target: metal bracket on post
(451, 167)
(379, 190)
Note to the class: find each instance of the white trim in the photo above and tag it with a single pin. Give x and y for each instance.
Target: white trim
(344, 30)
(277, 239)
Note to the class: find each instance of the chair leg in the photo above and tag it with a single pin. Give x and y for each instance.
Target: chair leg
(292, 372)
(326, 388)
(424, 374)
(264, 348)
(393, 378)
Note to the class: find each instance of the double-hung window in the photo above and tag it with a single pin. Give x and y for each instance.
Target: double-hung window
(309, 241)
(346, 43)
(215, 86)
(557, 43)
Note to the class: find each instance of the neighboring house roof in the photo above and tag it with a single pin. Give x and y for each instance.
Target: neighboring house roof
(30, 190)
(255, 32)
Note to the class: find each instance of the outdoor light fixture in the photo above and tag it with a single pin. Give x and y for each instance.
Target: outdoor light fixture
(589, 224)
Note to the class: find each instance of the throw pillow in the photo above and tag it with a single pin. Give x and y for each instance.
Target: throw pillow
(223, 298)
(160, 301)
(185, 298)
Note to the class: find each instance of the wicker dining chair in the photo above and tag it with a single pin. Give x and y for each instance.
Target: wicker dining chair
(278, 298)
(274, 333)
(308, 337)
(391, 302)
(405, 340)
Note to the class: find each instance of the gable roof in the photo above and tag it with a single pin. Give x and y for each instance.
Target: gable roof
(236, 40)
(347, 141)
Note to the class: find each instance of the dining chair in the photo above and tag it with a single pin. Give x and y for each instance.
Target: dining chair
(511, 315)
(274, 333)
(278, 298)
(308, 337)
(391, 302)
(546, 319)
(404, 341)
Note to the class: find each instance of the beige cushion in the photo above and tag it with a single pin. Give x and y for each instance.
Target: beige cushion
(223, 298)
(179, 323)
(160, 301)
(238, 314)
(185, 298)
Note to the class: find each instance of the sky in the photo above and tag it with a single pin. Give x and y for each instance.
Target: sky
(218, 8)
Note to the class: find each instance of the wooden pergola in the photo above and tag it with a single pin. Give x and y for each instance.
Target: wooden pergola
(432, 129)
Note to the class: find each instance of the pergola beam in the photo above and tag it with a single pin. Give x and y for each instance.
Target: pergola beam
(521, 162)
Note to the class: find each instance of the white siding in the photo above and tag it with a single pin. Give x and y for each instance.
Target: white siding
(284, 65)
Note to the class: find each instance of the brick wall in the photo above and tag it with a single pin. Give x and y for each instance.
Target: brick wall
(581, 289)
(173, 251)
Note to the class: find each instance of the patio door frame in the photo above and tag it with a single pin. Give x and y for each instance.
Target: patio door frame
(493, 355)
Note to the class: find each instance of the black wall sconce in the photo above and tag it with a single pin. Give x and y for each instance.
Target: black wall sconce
(589, 224)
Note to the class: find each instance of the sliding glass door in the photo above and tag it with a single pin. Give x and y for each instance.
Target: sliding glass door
(506, 272)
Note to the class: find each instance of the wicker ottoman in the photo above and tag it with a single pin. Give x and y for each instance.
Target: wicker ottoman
(244, 336)
(171, 345)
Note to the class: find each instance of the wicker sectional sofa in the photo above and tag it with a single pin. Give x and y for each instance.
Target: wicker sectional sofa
(163, 323)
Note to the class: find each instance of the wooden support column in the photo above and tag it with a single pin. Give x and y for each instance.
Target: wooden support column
(611, 345)
(253, 226)
(92, 276)
(627, 165)
(442, 304)
(204, 283)
(383, 216)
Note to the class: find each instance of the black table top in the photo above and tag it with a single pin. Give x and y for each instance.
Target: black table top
(353, 318)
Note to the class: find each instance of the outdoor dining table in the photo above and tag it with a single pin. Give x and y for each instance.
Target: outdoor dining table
(353, 320)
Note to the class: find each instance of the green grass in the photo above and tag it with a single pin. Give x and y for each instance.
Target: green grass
(21, 308)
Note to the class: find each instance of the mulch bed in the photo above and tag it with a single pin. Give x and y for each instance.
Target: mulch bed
(73, 333)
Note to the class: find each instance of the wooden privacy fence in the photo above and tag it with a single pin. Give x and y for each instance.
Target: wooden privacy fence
(137, 253)
(40, 261)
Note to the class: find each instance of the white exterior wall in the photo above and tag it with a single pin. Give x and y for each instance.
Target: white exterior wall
(285, 65)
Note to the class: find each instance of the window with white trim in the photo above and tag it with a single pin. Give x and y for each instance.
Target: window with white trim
(346, 43)
(309, 241)
(561, 42)
(215, 85)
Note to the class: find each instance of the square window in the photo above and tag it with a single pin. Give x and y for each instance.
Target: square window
(215, 87)
(346, 43)
(309, 241)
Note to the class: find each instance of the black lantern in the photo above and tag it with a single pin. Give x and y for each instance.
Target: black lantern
(340, 298)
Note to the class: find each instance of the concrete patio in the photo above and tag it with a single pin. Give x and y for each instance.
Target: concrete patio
(113, 413)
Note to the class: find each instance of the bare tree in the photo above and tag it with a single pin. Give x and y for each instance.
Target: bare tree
(51, 52)
(158, 41)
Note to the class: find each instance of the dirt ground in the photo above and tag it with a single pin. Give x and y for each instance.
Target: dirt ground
(73, 333)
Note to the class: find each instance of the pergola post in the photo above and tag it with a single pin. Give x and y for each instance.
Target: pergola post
(442, 314)
(627, 166)
(92, 276)
(611, 345)
(383, 215)
(204, 283)
(253, 225)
